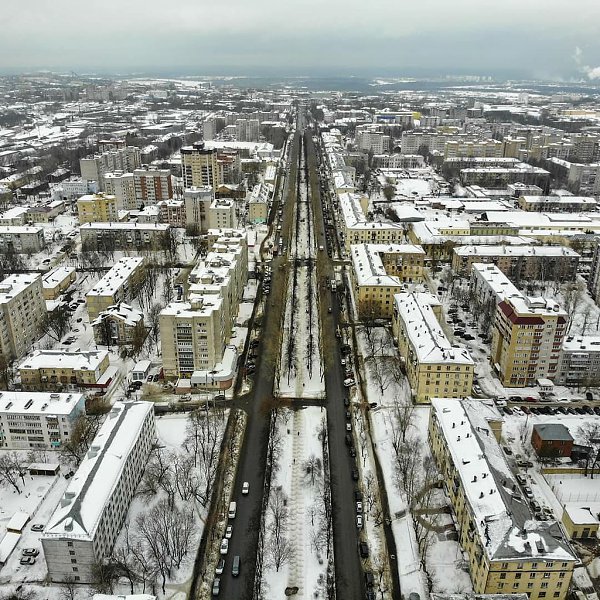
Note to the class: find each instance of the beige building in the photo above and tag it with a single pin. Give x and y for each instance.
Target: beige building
(120, 284)
(379, 272)
(258, 202)
(97, 208)
(199, 166)
(122, 187)
(45, 213)
(172, 212)
(152, 185)
(22, 314)
(125, 236)
(509, 550)
(580, 520)
(56, 370)
(119, 324)
(197, 203)
(58, 281)
(21, 239)
(222, 214)
(434, 367)
(527, 338)
(126, 159)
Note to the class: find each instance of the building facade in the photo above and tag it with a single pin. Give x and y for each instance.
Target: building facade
(125, 236)
(97, 208)
(199, 166)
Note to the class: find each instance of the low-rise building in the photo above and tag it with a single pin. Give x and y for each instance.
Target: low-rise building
(557, 203)
(258, 202)
(509, 551)
(222, 214)
(58, 281)
(551, 440)
(489, 284)
(36, 420)
(520, 263)
(379, 272)
(527, 338)
(125, 236)
(172, 212)
(120, 284)
(97, 208)
(84, 526)
(15, 216)
(22, 314)
(55, 369)
(45, 213)
(579, 362)
(119, 324)
(581, 520)
(21, 239)
(434, 366)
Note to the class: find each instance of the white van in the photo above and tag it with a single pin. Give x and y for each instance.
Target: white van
(232, 510)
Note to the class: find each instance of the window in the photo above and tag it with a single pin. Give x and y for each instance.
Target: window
(75, 569)
(518, 575)
(556, 594)
(70, 544)
(516, 585)
(534, 565)
(74, 560)
(531, 575)
(77, 578)
(544, 585)
(542, 595)
(546, 575)
(502, 575)
(529, 586)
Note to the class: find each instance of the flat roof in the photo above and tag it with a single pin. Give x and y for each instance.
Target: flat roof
(58, 359)
(501, 286)
(56, 276)
(368, 264)
(50, 403)
(13, 285)
(117, 276)
(83, 503)
(132, 225)
(19, 229)
(505, 250)
(581, 343)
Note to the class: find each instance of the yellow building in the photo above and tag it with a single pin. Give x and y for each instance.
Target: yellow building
(199, 166)
(97, 208)
(580, 520)
(379, 272)
(433, 366)
(120, 284)
(57, 281)
(55, 369)
(510, 552)
(527, 339)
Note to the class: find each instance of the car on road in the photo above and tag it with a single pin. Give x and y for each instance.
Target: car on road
(507, 450)
(348, 415)
(220, 567)
(349, 382)
(515, 399)
(245, 488)
(27, 560)
(216, 587)
(348, 426)
(524, 464)
(30, 552)
(359, 521)
(352, 451)
(363, 549)
(521, 479)
(528, 491)
(477, 390)
(37, 527)
(224, 546)
(369, 579)
(355, 474)
(229, 531)
(329, 309)
(79, 320)
(346, 401)
(359, 508)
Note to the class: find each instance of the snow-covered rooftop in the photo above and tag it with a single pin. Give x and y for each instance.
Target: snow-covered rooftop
(38, 402)
(84, 501)
(13, 285)
(117, 276)
(56, 276)
(581, 343)
(525, 250)
(502, 519)
(368, 264)
(59, 359)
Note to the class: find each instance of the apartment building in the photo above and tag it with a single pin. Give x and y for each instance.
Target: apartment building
(579, 361)
(509, 550)
(247, 130)
(557, 203)
(500, 177)
(45, 213)
(520, 263)
(593, 281)
(58, 281)
(379, 272)
(125, 159)
(172, 212)
(369, 138)
(581, 178)
(489, 284)
(48, 370)
(413, 140)
(97, 208)
(84, 526)
(358, 230)
(120, 284)
(197, 202)
(527, 338)
(152, 185)
(22, 314)
(122, 187)
(258, 202)
(15, 216)
(119, 324)
(486, 148)
(199, 166)
(36, 420)
(21, 239)
(222, 214)
(398, 161)
(125, 236)
(433, 366)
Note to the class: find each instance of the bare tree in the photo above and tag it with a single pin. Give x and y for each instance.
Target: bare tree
(313, 469)
(68, 588)
(83, 432)
(11, 470)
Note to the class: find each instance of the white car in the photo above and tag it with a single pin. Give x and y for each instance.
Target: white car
(245, 488)
(224, 546)
(349, 382)
(229, 531)
(359, 522)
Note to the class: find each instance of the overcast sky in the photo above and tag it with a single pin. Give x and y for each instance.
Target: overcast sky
(538, 38)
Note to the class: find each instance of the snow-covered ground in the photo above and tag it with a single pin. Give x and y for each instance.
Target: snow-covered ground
(300, 477)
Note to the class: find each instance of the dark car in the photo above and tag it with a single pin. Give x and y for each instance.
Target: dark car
(346, 402)
(355, 474)
(363, 549)
(369, 579)
(358, 496)
(348, 439)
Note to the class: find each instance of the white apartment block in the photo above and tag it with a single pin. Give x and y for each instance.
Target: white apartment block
(247, 130)
(93, 168)
(84, 526)
(197, 202)
(489, 284)
(152, 185)
(22, 314)
(120, 284)
(579, 363)
(21, 239)
(222, 214)
(358, 230)
(17, 215)
(398, 161)
(36, 420)
(436, 142)
(124, 236)
(121, 185)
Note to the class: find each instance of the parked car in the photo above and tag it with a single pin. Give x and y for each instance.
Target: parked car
(359, 508)
(349, 382)
(355, 474)
(359, 522)
(220, 567)
(224, 546)
(229, 531)
(245, 488)
(363, 549)
(30, 552)
(369, 579)
(216, 587)
(507, 450)
(528, 491)
(27, 560)
(37, 527)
